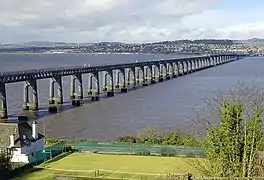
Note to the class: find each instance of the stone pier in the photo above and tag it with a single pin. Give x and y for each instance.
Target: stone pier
(3, 103)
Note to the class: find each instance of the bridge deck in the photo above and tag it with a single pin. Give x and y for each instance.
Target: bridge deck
(17, 76)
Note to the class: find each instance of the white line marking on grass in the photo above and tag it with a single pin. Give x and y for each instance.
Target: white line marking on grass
(58, 169)
(115, 171)
(56, 162)
(140, 172)
(102, 170)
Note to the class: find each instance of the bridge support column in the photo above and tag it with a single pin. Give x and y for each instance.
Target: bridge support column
(135, 77)
(117, 80)
(95, 96)
(174, 74)
(80, 86)
(52, 108)
(195, 65)
(51, 91)
(111, 93)
(60, 92)
(153, 75)
(138, 74)
(25, 105)
(3, 103)
(168, 77)
(161, 79)
(124, 88)
(145, 75)
(128, 77)
(79, 100)
(179, 69)
(185, 69)
(208, 63)
(105, 81)
(72, 87)
(34, 90)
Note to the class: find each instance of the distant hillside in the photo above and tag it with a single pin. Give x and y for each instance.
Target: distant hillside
(252, 40)
(198, 41)
(256, 40)
(214, 41)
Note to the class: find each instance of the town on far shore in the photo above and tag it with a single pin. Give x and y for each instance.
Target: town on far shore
(253, 46)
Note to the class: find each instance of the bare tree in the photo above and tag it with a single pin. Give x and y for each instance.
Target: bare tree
(233, 133)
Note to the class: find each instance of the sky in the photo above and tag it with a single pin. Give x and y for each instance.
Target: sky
(129, 20)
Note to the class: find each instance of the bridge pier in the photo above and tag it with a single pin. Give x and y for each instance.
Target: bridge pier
(3, 103)
(60, 91)
(138, 74)
(90, 83)
(124, 88)
(105, 81)
(52, 108)
(117, 80)
(174, 74)
(52, 98)
(95, 96)
(178, 69)
(25, 105)
(34, 90)
(72, 87)
(51, 91)
(161, 78)
(110, 93)
(128, 77)
(168, 71)
(188, 67)
(80, 86)
(135, 77)
(153, 75)
(30, 89)
(145, 75)
(79, 100)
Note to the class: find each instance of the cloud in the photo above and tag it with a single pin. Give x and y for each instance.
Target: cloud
(109, 20)
(247, 30)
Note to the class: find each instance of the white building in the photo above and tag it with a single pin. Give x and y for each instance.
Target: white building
(26, 143)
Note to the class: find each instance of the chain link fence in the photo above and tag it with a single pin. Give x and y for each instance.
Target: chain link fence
(137, 149)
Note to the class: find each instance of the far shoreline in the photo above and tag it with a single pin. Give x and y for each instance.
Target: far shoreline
(98, 53)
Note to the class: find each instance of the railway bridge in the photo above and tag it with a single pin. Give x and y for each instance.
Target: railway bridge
(116, 77)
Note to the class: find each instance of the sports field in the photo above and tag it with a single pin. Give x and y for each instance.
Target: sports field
(111, 166)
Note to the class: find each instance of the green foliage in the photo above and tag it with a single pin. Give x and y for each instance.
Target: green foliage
(5, 166)
(52, 141)
(232, 148)
(129, 139)
(150, 136)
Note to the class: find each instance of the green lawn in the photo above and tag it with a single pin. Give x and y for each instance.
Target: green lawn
(112, 166)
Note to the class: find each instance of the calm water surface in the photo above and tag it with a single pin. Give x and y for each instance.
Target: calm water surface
(168, 105)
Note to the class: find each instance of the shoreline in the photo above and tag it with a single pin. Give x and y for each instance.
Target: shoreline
(99, 53)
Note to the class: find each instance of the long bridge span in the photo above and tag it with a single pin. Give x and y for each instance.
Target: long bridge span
(128, 75)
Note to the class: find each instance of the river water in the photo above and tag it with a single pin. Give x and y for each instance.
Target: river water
(169, 105)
